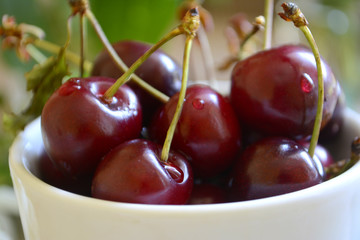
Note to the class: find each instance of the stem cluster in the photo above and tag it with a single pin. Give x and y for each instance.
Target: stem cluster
(189, 26)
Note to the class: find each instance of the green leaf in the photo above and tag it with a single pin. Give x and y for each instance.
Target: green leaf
(42, 81)
(14, 123)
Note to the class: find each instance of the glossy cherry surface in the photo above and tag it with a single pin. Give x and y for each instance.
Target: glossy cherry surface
(133, 172)
(159, 70)
(208, 131)
(79, 127)
(276, 91)
(322, 156)
(273, 166)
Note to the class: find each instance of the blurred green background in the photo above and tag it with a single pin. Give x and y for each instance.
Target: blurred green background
(334, 24)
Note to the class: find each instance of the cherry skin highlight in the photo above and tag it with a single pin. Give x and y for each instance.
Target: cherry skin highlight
(271, 167)
(133, 172)
(321, 156)
(208, 132)
(276, 91)
(159, 70)
(79, 127)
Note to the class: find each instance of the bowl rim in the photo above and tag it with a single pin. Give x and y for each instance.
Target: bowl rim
(19, 170)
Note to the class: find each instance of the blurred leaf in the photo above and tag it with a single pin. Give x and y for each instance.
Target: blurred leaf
(48, 15)
(337, 3)
(14, 123)
(143, 20)
(42, 80)
(5, 142)
(5, 178)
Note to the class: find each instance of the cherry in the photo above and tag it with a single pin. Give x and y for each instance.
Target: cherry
(79, 127)
(273, 166)
(140, 171)
(133, 172)
(322, 156)
(51, 174)
(159, 70)
(208, 131)
(276, 91)
(333, 127)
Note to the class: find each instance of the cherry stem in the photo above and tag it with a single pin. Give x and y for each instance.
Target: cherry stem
(191, 25)
(320, 104)
(174, 121)
(126, 76)
(153, 91)
(68, 30)
(293, 13)
(207, 56)
(82, 43)
(257, 25)
(269, 12)
(33, 38)
(35, 53)
(78, 6)
(53, 48)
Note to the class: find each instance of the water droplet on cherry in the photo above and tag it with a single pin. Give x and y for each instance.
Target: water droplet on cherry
(307, 84)
(198, 103)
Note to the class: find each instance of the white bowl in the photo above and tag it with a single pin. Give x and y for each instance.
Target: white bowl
(328, 211)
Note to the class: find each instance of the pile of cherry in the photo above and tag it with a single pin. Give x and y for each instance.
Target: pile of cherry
(249, 144)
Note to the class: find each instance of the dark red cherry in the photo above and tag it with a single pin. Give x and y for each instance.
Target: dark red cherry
(79, 127)
(323, 156)
(133, 172)
(276, 91)
(333, 127)
(52, 175)
(273, 166)
(159, 70)
(208, 131)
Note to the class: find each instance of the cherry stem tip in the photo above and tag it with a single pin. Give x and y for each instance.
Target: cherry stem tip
(292, 13)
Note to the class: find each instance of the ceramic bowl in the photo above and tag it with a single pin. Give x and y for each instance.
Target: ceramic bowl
(328, 211)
